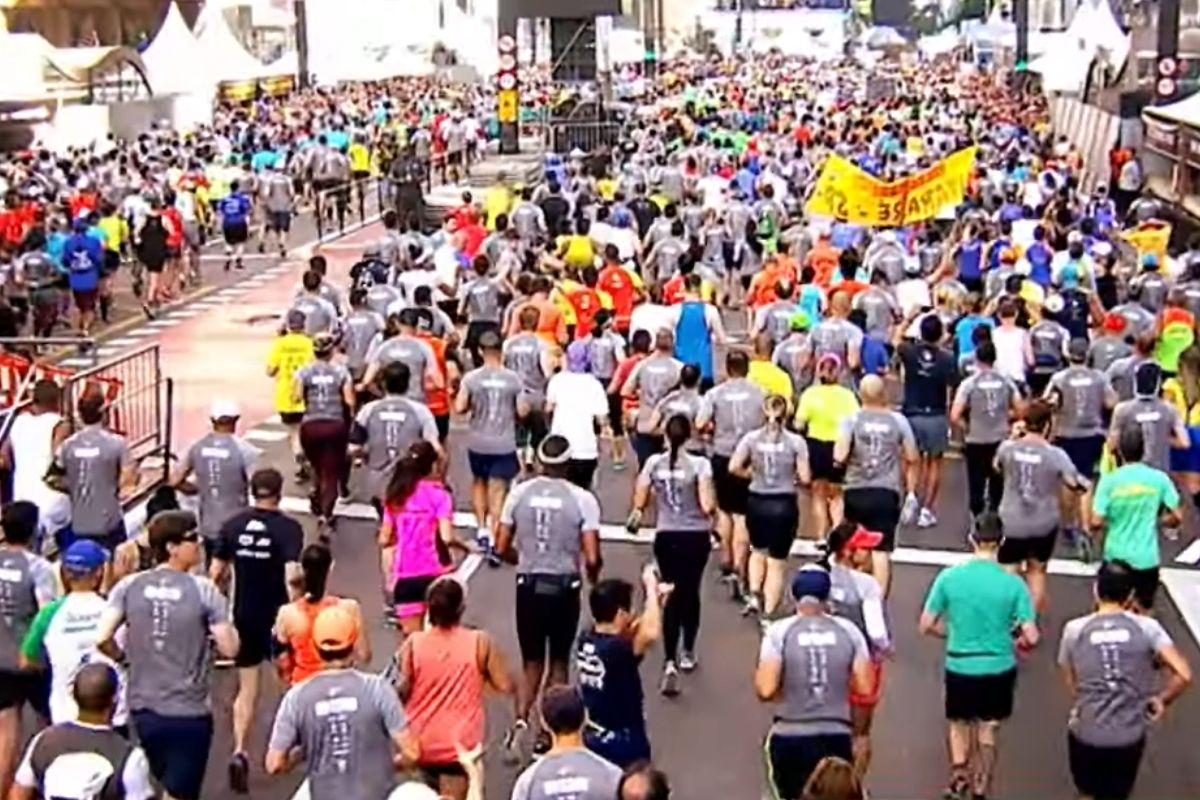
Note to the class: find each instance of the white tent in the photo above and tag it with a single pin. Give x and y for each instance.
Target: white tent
(1185, 111)
(223, 56)
(939, 43)
(172, 57)
(1093, 34)
(286, 64)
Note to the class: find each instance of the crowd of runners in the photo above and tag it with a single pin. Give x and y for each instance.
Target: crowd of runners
(770, 382)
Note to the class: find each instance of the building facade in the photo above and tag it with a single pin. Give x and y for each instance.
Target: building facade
(75, 23)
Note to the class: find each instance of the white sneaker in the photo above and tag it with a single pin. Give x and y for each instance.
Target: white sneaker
(669, 686)
(909, 512)
(927, 519)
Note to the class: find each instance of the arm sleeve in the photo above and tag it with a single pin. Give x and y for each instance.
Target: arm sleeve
(429, 431)
(389, 706)
(771, 648)
(25, 776)
(1024, 608)
(510, 503)
(590, 510)
(216, 607)
(1159, 638)
(45, 582)
(31, 645)
(1170, 493)
(285, 731)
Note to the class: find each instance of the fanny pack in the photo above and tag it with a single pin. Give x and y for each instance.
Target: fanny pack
(550, 585)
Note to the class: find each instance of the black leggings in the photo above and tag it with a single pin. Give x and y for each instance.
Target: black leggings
(681, 557)
(324, 445)
(982, 477)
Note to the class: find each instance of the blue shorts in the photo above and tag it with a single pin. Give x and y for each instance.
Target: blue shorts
(623, 748)
(492, 466)
(177, 749)
(1187, 459)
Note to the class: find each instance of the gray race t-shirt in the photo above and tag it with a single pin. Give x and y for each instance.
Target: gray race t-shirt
(880, 308)
(482, 296)
(523, 355)
(92, 460)
(1114, 659)
(413, 353)
(391, 425)
(677, 490)
(570, 775)
(321, 384)
(605, 352)
(220, 464)
(344, 721)
(878, 440)
(1080, 408)
(549, 516)
(1107, 349)
(1033, 473)
(358, 334)
(168, 614)
(653, 377)
(27, 582)
(734, 407)
(774, 459)
(686, 403)
(493, 393)
(818, 654)
(1157, 419)
(987, 397)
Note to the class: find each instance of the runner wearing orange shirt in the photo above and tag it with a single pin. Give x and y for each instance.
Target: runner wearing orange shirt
(622, 285)
(552, 326)
(587, 301)
(823, 258)
(762, 284)
(437, 399)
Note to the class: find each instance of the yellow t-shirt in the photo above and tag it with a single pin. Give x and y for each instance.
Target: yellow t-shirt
(823, 407)
(579, 251)
(115, 230)
(770, 378)
(289, 353)
(360, 157)
(607, 189)
(497, 201)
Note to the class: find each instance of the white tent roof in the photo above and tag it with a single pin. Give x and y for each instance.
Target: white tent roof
(286, 64)
(222, 55)
(172, 57)
(1092, 34)
(1185, 111)
(939, 43)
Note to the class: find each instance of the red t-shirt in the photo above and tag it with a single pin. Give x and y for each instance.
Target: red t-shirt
(624, 369)
(615, 280)
(586, 303)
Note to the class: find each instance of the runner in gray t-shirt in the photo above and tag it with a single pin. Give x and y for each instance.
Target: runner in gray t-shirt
(412, 351)
(328, 393)
(93, 466)
(775, 460)
(1162, 426)
(1122, 670)
(983, 405)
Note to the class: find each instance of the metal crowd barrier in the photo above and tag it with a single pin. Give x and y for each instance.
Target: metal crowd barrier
(563, 137)
(346, 206)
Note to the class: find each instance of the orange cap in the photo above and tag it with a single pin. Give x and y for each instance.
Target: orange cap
(335, 628)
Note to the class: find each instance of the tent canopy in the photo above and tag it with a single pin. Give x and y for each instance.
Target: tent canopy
(34, 69)
(223, 57)
(1184, 112)
(172, 56)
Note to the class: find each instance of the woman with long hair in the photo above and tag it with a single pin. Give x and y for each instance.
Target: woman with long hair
(298, 659)
(833, 779)
(416, 534)
(1183, 391)
(774, 460)
(685, 501)
(153, 252)
(444, 671)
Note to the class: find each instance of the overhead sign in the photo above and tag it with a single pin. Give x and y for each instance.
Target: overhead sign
(507, 104)
(850, 194)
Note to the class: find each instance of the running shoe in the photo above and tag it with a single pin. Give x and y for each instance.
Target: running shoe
(911, 507)
(958, 790)
(514, 742)
(927, 519)
(669, 686)
(239, 774)
(542, 744)
(751, 607)
(687, 661)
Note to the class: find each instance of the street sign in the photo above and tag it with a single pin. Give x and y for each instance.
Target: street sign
(1167, 67)
(506, 105)
(507, 44)
(508, 61)
(1166, 87)
(507, 81)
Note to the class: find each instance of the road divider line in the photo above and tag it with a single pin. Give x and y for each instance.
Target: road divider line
(1189, 554)
(265, 435)
(185, 313)
(163, 323)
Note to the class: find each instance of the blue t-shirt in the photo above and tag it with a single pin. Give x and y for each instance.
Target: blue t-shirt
(234, 209)
(966, 326)
(874, 356)
(263, 159)
(338, 140)
(83, 256)
(810, 302)
(56, 244)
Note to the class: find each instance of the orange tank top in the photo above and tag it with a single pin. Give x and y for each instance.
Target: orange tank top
(445, 702)
(306, 662)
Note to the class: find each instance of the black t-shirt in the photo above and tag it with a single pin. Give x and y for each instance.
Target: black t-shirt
(928, 372)
(555, 208)
(258, 543)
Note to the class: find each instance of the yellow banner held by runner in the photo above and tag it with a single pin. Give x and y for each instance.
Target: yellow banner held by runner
(1150, 240)
(845, 192)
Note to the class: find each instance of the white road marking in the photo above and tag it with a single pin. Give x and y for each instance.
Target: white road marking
(141, 332)
(274, 419)
(264, 435)
(124, 341)
(186, 313)
(163, 323)
(302, 505)
(1183, 585)
(1189, 554)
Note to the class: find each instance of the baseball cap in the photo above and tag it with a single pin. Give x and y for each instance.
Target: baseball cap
(578, 357)
(829, 360)
(84, 555)
(1077, 349)
(335, 628)
(224, 409)
(1150, 261)
(1114, 322)
(811, 584)
(295, 320)
(853, 537)
(800, 321)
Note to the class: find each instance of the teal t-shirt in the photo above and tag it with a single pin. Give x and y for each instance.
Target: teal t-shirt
(1130, 499)
(981, 604)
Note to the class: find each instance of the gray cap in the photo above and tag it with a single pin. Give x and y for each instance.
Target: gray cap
(1077, 350)
(296, 320)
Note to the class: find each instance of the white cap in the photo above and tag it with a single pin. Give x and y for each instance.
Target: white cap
(224, 409)
(413, 791)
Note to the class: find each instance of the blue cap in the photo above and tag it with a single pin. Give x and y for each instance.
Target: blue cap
(84, 555)
(1150, 260)
(811, 584)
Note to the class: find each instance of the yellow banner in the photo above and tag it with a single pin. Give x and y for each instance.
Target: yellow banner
(847, 193)
(1151, 239)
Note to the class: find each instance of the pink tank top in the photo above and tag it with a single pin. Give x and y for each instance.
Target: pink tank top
(416, 527)
(445, 704)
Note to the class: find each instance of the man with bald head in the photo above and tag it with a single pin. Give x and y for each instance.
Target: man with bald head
(79, 757)
(877, 447)
(644, 782)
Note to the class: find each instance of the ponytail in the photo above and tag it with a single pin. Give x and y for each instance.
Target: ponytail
(415, 465)
(679, 430)
(315, 562)
(775, 408)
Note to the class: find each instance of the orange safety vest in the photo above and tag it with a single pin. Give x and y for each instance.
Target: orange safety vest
(438, 400)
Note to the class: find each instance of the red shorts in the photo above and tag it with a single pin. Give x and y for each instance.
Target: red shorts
(870, 699)
(85, 300)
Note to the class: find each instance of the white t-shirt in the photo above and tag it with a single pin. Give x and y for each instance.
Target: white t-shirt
(913, 294)
(81, 776)
(652, 318)
(31, 436)
(1011, 344)
(578, 399)
(71, 628)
